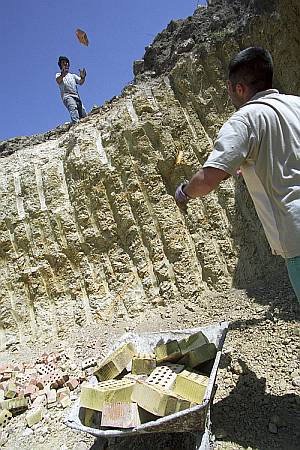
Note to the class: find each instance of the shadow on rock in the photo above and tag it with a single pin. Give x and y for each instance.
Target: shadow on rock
(251, 417)
(255, 260)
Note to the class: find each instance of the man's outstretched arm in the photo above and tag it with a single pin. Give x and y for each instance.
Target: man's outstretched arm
(82, 73)
(203, 182)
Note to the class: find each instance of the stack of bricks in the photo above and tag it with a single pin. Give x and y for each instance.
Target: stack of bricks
(37, 386)
(161, 383)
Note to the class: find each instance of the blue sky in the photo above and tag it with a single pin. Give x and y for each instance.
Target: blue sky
(35, 32)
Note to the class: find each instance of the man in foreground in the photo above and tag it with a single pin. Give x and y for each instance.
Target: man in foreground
(68, 89)
(262, 139)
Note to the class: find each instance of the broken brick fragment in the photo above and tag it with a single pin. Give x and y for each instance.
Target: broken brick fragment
(65, 391)
(10, 391)
(51, 396)
(35, 416)
(30, 389)
(15, 405)
(65, 401)
(5, 417)
(72, 383)
(90, 362)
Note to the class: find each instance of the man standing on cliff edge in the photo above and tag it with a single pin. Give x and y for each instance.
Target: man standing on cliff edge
(68, 89)
(262, 139)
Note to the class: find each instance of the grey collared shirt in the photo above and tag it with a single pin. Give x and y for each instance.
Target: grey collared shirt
(263, 139)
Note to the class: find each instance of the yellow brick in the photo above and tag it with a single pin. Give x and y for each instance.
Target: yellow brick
(198, 356)
(90, 418)
(5, 417)
(11, 391)
(132, 376)
(191, 342)
(35, 416)
(191, 386)
(158, 400)
(143, 364)
(111, 391)
(113, 365)
(169, 351)
(15, 405)
(165, 375)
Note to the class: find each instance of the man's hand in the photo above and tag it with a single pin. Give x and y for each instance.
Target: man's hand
(181, 198)
(82, 73)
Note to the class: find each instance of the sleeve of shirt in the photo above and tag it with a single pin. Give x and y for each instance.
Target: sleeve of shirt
(76, 78)
(231, 147)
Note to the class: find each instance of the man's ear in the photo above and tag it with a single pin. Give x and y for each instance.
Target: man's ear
(240, 89)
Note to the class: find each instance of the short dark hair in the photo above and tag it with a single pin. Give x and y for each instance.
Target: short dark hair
(252, 67)
(62, 58)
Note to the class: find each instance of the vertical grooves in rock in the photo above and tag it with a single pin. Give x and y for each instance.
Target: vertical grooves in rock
(29, 300)
(127, 229)
(88, 224)
(40, 187)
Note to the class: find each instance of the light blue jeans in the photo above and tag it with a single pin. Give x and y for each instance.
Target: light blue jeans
(293, 267)
(75, 108)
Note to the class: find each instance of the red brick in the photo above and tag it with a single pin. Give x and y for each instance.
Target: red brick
(65, 391)
(29, 365)
(33, 380)
(34, 396)
(44, 356)
(6, 376)
(65, 402)
(29, 390)
(92, 343)
(40, 384)
(3, 385)
(72, 383)
(89, 362)
(3, 367)
(53, 378)
(82, 376)
(52, 365)
(51, 396)
(53, 357)
(30, 371)
(44, 369)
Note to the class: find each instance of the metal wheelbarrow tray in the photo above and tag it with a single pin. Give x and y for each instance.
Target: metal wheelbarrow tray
(189, 420)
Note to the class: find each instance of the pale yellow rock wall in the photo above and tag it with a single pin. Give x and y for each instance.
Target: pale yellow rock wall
(88, 223)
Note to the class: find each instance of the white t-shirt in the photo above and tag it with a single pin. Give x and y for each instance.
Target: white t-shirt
(263, 139)
(68, 87)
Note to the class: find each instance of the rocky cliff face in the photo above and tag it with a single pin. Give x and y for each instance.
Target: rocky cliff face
(88, 225)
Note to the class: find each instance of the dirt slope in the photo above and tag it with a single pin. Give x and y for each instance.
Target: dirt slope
(91, 241)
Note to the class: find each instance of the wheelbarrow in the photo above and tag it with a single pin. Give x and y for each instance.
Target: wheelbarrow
(194, 421)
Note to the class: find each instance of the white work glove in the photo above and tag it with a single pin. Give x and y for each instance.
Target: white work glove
(181, 198)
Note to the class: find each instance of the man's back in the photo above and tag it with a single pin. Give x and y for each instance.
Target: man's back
(263, 138)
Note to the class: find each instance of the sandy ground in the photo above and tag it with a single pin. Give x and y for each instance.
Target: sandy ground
(257, 403)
